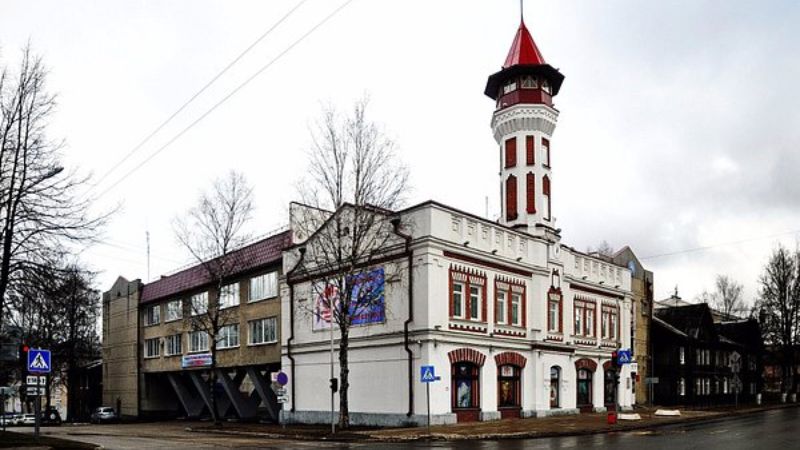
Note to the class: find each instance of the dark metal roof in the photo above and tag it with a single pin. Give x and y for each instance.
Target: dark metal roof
(258, 254)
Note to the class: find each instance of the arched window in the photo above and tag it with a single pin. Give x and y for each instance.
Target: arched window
(508, 386)
(584, 388)
(609, 391)
(466, 385)
(530, 194)
(511, 198)
(555, 386)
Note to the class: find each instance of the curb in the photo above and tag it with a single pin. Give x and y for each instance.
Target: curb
(495, 436)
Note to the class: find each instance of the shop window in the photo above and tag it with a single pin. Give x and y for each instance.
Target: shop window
(465, 385)
(555, 385)
(610, 388)
(508, 386)
(584, 387)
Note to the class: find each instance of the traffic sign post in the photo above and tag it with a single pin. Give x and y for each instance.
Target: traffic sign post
(38, 363)
(427, 375)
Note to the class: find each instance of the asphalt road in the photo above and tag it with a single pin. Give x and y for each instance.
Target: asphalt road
(776, 429)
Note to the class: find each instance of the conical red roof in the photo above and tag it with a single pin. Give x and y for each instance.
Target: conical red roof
(523, 50)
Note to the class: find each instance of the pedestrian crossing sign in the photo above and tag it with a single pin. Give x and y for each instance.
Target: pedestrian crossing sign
(39, 361)
(428, 374)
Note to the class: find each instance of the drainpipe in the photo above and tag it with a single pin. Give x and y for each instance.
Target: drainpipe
(291, 321)
(410, 255)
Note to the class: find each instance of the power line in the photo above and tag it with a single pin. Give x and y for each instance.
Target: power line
(722, 244)
(225, 98)
(196, 94)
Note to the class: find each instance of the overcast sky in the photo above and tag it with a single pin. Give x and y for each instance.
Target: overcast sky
(679, 123)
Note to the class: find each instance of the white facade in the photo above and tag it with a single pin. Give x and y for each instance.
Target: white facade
(446, 241)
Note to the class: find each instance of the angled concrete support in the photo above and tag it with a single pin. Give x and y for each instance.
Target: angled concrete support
(245, 409)
(265, 392)
(191, 404)
(223, 403)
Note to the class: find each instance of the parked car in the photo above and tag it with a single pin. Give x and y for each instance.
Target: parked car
(104, 414)
(8, 419)
(28, 419)
(51, 417)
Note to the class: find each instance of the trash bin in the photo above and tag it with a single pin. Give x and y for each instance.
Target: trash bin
(612, 417)
(758, 399)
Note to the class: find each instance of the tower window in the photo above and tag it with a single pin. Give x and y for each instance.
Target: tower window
(530, 149)
(546, 86)
(511, 152)
(510, 87)
(546, 151)
(529, 82)
(530, 187)
(546, 193)
(511, 198)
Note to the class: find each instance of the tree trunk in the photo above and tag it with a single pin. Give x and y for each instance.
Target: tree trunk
(344, 377)
(212, 384)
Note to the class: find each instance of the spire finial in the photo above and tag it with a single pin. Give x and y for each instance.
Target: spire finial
(521, 10)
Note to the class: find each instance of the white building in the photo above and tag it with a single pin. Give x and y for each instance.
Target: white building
(514, 322)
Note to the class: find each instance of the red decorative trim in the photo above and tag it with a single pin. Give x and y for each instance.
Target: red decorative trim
(489, 264)
(510, 333)
(467, 355)
(585, 363)
(470, 328)
(578, 287)
(606, 365)
(510, 358)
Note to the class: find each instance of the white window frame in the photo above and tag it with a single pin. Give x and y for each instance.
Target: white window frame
(263, 286)
(171, 348)
(578, 310)
(500, 311)
(590, 310)
(260, 327)
(229, 296)
(228, 336)
(460, 295)
(553, 315)
(516, 305)
(152, 315)
(199, 335)
(476, 293)
(174, 313)
(152, 348)
(195, 303)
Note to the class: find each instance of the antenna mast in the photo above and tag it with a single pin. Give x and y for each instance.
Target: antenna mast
(147, 234)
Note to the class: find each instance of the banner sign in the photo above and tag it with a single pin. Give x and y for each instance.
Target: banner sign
(199, 360)
(366, 300)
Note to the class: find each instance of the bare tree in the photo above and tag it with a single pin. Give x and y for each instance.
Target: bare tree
(40, 210)
(211, 232)
(726, 298)
(603, 249)
(354, 184)
(779, 308)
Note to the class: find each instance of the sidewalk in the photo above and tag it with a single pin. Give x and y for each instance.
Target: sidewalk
(503, 429)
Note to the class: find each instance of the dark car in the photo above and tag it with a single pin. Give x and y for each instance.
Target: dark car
(50, 417)
(104, 414)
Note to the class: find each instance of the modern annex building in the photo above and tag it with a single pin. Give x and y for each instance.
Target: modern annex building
(515, 322)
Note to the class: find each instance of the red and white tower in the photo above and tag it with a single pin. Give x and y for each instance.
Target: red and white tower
(523, 124)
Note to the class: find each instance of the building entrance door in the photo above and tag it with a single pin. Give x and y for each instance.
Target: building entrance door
(584, 387)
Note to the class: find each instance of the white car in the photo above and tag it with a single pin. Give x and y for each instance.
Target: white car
(29, 419)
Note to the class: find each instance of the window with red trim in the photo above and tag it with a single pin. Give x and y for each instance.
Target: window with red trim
(609, 322)
(530, 188)
(510, 302)
(584, 313)
(511, 198)
(467, 295)
(554, 308)
(511, 152)
(530, 149)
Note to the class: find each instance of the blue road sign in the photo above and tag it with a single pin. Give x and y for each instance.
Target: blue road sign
(427, 374)
(623, 357)
(39, 361)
